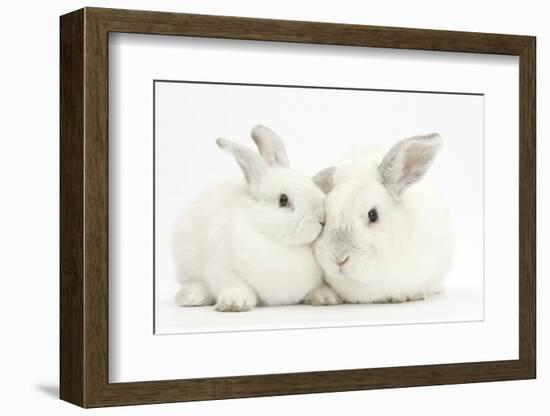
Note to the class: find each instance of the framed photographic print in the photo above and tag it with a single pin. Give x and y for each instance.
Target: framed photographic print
(255, 207)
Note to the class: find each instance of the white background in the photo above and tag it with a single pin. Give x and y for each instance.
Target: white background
(29, 172)
(319, 127)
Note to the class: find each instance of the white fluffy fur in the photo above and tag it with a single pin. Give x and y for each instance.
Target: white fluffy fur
(406, 253)
(236, 247)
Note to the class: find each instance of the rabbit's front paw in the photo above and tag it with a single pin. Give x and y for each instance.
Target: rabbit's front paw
(236, 300)
(401, 298)
(194, 293)
(416, 297)
(322, 295)
(391, 299)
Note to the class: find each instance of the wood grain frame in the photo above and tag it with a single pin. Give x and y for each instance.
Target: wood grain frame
(84, 207)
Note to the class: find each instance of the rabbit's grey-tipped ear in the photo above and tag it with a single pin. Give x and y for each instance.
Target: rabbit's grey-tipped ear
(325, 179)
(408, 161)
(270, 146)
(252, 165)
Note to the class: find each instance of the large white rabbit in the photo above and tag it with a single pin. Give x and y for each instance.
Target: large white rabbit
(387, 236)
(248, 242)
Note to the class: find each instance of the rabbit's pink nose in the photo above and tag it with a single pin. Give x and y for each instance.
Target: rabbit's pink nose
(341, 262)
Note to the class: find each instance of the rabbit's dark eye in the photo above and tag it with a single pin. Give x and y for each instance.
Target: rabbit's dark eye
(373, 215)
(283, 201)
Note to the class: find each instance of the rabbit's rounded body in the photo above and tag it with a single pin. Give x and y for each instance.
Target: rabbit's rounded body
(223, 248)
(388, 236)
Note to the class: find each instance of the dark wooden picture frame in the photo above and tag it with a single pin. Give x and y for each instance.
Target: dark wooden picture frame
(84, 207)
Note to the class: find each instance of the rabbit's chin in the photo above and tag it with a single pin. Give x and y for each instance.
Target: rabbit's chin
(353, 275)
(305, 234)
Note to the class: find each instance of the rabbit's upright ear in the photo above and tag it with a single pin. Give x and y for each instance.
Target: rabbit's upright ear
(325, 179)
(252, 165)
(408, 161)
(270, 146)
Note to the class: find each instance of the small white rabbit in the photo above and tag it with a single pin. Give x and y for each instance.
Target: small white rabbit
(248, 242)
(388, 236)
